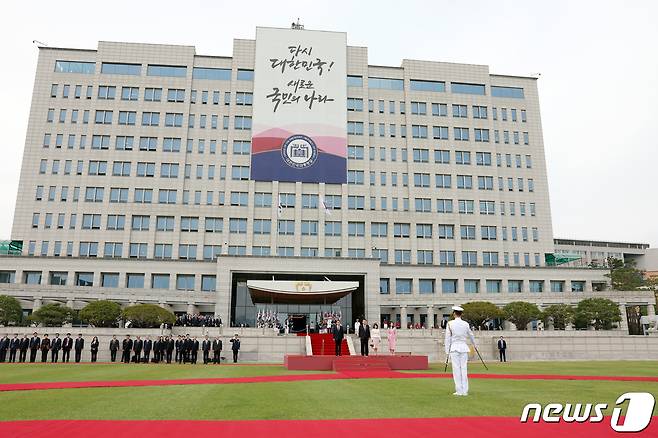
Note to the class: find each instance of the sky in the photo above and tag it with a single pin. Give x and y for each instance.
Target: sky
(598, 87)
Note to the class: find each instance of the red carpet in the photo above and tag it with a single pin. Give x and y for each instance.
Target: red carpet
(491, 427)
(378, 374)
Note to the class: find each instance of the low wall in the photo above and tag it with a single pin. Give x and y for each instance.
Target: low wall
(263, 345)
(255, 345)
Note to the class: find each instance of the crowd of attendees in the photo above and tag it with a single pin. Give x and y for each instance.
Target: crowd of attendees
(197, 320)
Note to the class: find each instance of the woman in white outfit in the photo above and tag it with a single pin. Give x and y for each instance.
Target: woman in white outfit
(457, 333)
(375, 338)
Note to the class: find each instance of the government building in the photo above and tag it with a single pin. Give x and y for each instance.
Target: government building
(291, 177)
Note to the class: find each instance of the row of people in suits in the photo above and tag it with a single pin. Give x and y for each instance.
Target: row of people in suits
(182, 349)
(20, 346)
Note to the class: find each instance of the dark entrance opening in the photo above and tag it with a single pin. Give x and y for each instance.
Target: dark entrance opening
(298, 323)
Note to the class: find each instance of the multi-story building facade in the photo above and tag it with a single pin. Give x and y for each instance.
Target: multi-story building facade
(136, 186)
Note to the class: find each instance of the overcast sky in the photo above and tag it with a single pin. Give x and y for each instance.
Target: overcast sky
(598, 88)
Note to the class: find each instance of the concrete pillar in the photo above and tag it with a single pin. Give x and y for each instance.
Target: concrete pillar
(430, 316)
(70, 303)
(403, 317)
(191, 308)
(651, 310)
(37, 304)
(623, 325)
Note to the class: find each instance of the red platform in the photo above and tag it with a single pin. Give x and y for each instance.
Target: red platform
(355, 363)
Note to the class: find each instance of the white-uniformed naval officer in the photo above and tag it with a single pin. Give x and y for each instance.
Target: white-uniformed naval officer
(457, 334)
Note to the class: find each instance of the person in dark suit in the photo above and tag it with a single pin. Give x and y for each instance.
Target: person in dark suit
(502, 346)
(127, 346)
(338, 333)
(13, 348)
(148, 346)
(187, 349)
(364, 337)
(4, 346)
(114, 347)
(35, 345)
(44, 346)
(79, 346)
(22, 348)
(67, 344)
(55, 346)
(170, 348)
(205, 347)
(94, 348)
(217, 351)
(137, 349)
(194, 350)
(156, 349)
(235, 347)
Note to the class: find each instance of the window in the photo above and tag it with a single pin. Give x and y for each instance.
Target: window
(419, 131)
(242, 122)
(464, 182)
(425, 256)
(309, 228)
(461, 134)
(403, 286)
(423, 231)
(441, 156)
(286, 227)
(240, 173)
(150, 118)
(494, 286)
(239, 198)
(385, 83)
(401, 230)
(354, 104)
(489, 258)
(208, 283)
(469, 258)
(378, 229)
(332, 228)
(262, 199)
(557, 286)
(355, 152)
(216, 74)
(462, 88)
(189, 223)
(463, 157)
(355, 128)
(355, 177)
(426, 286)
(238, 225)
(166, 70)
(127, 117)
(479, 112)
(287, 200)
(514, 286)
(244, 98)
(431, 86)
(419, 108)
(356, 229)
(354, 81)
(153, 94)
(84, 279)
(460, 111)
(536, 286)
(262, 226)
(507, 92)
(446, 231)
(443, 181)
(577, 286)
(103, 117)
(107, 92)
(129, 93)
(447, 258)
(241, 147)
(481, 135)
(449, 286)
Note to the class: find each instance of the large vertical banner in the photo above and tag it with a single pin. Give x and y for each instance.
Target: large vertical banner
(300, 106)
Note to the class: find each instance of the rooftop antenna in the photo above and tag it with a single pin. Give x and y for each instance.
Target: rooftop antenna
(297, 26)
(39, 43)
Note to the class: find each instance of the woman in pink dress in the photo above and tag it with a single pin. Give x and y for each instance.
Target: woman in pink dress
(392, 338)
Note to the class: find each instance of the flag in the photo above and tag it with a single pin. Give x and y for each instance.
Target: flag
(325, 206)
(279, 210)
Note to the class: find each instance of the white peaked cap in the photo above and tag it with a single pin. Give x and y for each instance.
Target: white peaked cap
(458, 308)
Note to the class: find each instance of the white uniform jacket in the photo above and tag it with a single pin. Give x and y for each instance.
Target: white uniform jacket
(457, 332)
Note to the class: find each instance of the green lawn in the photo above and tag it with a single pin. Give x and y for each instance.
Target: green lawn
(585, 368)
(26, 373)
(364, 398)
(355, 398)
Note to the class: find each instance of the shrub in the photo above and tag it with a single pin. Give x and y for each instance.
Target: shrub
(52, 315)
(521, 313)
(101, 313)
(10, 310)
(561, 314)
(599, 313)
(147, 315)
(479, 312)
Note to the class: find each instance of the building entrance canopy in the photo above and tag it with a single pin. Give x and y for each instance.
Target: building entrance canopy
(299, 292)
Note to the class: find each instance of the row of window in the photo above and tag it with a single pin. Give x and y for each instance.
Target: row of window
(395, 84)
(165, 251)
(480, 135)
(185, 282)
(135, 69)
(405, 286)
(148, 144)
(439, 156)
(150, 94)
(149, 118)
(287, 200)
(92, 221)
(355, 104)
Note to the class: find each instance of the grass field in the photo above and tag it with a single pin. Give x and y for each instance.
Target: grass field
(354, 398)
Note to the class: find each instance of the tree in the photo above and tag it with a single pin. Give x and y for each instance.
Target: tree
(561, 314)
(52, 315)
(479, 312)
(147, 315)
(599, 313)
(521, 313)
(101, 313)
(624, 275)
(10, 310)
